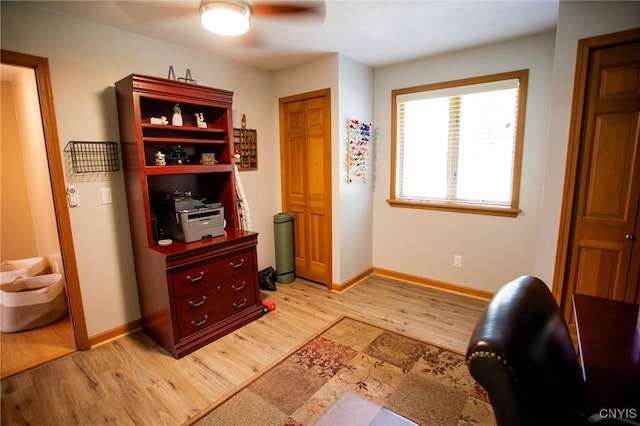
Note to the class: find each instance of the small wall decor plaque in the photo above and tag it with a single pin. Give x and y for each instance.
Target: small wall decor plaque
(245, 145)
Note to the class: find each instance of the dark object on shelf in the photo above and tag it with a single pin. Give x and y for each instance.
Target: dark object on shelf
(178, 156)
(92, 157)
(173, 196)
(267, 278)
(187, 78)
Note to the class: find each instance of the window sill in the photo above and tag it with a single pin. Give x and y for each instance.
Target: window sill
(457, 208)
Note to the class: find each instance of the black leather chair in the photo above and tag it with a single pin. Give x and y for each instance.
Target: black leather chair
(521, 353)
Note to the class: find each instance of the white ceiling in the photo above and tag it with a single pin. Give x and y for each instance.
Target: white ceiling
(373, 32)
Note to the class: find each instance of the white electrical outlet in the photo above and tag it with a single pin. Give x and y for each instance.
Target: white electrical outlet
(73, 198)
(457, 261)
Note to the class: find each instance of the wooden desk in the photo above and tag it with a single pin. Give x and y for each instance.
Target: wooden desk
(609, 341)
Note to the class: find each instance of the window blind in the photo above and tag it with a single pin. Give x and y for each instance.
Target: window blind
(457, 144)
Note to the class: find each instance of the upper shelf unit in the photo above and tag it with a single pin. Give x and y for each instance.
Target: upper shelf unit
(195, 157)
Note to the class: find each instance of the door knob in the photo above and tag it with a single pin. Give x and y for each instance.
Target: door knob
(630, 237)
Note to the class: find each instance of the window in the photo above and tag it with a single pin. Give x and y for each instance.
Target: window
(457, 145)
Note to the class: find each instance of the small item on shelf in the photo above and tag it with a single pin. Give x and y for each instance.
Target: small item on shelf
(160, 159)
(178, 155)
(187, 78)
(165, 242)
(200, 120)
(176, 120)
(208, 158)
(162, 120)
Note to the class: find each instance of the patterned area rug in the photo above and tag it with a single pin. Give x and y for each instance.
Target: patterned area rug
(419, 381)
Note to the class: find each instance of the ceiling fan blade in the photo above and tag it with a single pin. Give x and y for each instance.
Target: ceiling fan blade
(252, 39)
(305, 8)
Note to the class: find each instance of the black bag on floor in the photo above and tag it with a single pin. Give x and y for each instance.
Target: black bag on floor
(267, 278)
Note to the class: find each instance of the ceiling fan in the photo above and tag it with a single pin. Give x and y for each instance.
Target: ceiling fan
(231, 17)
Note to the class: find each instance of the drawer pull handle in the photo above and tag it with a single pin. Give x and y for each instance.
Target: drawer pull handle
(200, 303)
(196, 279)
(198, 324)
(241, 304)
(234, 288)
(236, 266)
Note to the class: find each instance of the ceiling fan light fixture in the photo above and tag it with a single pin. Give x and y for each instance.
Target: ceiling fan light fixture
(225, 17)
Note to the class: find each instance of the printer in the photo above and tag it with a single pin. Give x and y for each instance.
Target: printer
(187, 219)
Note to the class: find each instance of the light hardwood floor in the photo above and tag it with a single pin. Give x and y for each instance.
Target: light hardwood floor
(23, 350)
(132, 381)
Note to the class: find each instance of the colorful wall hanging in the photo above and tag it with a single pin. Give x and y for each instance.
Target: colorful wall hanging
(358, 151)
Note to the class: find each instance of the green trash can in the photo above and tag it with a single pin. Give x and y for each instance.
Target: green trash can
(283, 236)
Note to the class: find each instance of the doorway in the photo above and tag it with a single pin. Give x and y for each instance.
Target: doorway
(598, 251)
(305, 155)
(43, 344)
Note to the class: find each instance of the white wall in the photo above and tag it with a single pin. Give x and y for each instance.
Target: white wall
(317, 74)
(351, 85)
(423, 242)
(86, 59)
(576, 20)
(355, 218)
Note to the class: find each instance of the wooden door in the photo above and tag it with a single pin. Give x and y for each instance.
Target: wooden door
(603, 254)
(305, 153)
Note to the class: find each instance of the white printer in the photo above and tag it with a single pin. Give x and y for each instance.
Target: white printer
(186, 219)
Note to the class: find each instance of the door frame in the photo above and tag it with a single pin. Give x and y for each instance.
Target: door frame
(325, 93)
(585, 47)
(40, 66)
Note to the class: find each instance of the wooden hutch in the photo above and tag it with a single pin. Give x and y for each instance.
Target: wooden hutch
(191, 293)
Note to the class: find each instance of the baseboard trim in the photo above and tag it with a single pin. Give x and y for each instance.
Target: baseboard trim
(440, 285)
(115, 333)
(351, 282)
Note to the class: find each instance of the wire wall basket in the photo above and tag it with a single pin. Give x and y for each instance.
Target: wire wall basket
(92, 157)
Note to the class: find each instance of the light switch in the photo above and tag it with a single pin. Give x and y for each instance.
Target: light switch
(106, 195)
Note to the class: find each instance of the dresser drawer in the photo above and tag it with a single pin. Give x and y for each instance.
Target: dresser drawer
(205, 275)
(201, 310)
